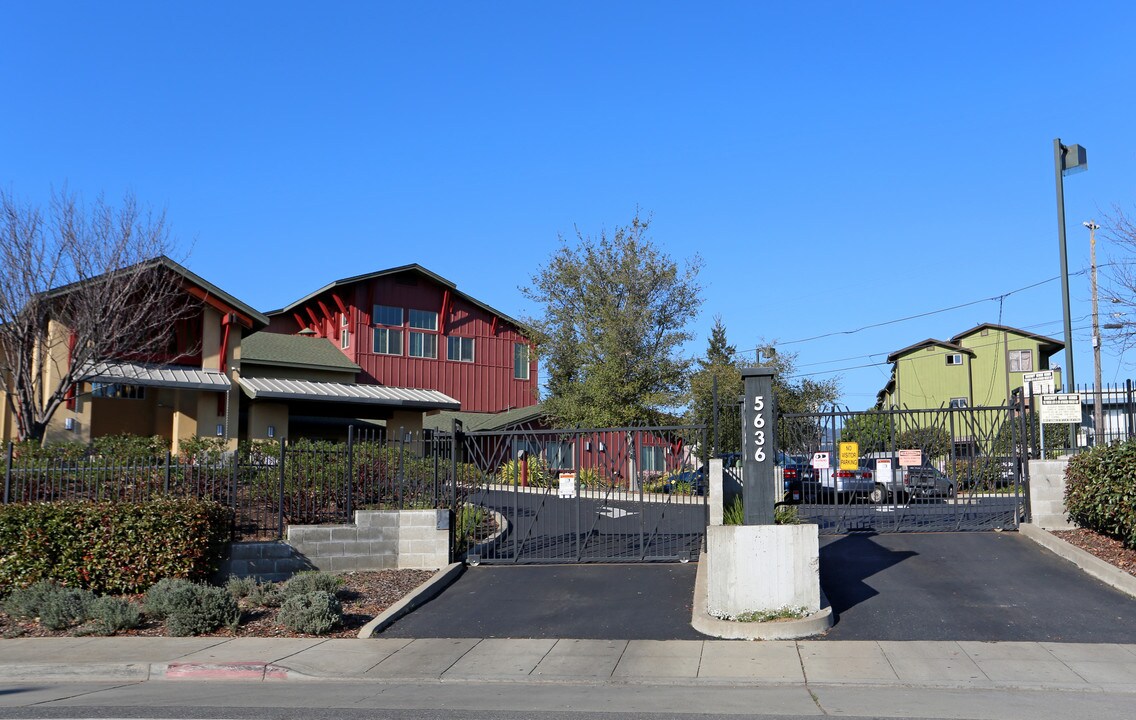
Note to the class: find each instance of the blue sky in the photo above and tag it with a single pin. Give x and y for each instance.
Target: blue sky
(836, 164)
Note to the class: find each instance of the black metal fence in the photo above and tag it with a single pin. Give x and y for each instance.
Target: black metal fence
(588, 495)
(267, 484)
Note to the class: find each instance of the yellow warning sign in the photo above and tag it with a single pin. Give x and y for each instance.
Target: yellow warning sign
(849, 455)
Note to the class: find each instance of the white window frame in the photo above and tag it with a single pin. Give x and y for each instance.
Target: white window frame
(423, 319)
(652, 458)
(377, 311)
(461, 345)
(427, 342)
(1016, 357)
(959, 402)
(521, 365)
(344, 339)
(386, 333)
(954, 358)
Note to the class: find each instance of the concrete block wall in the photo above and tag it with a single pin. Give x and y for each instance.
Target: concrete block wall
(1047, 494)
(377, 540)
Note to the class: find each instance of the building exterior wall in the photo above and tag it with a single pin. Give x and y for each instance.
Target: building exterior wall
(485, 385)
(924, 380)
(262, 415)
(991, 363)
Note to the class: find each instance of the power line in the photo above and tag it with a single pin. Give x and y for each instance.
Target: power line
(929, 313)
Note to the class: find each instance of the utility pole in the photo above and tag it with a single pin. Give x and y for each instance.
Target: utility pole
(1098, 414)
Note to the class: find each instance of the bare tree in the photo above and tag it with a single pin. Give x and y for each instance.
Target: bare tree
(1120, 297)
(79, 286)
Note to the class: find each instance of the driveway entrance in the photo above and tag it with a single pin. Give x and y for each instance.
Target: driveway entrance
(966, 586)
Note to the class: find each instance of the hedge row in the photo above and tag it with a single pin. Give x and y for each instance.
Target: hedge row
(111, 547)
(1100, 491)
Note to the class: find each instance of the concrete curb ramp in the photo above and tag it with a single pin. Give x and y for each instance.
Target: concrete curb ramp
(423, 593)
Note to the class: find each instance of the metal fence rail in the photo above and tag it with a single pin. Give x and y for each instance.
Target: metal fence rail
(587, 495)
(267, 485)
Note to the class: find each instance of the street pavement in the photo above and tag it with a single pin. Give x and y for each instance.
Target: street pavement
(955, 677)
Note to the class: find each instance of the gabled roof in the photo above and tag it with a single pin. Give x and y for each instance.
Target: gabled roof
(474, 422)
(208, 293)
(1050, 343)
(298, 351)
(412, 268)
(929, 342)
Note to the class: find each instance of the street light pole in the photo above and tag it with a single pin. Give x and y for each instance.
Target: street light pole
(1066, 159)
(1098, 413)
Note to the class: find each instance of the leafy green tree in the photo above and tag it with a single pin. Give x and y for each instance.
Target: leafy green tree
(872, 430)
(615, 317)
(719, 364)
(793, 395)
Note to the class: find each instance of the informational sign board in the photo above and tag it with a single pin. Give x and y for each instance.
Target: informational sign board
(883, 471)
(1063, 409)
(759, 446)
(821, 461)
(910, 458)
(849, 455)
(1041, 382)
(567, 485)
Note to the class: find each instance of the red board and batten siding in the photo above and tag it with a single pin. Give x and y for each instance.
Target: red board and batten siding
(485, 385)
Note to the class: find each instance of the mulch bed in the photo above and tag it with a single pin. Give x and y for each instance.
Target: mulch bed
(364, 595)
(1111, 550)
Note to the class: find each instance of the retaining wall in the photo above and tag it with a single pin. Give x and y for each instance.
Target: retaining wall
(377, 540)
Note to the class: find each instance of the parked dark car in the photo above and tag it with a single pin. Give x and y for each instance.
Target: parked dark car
(928, 481)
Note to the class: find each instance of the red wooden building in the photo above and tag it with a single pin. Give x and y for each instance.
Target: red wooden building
(408, 328)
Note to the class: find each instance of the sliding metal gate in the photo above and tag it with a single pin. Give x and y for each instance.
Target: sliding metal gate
(575, 496)
(966, 469)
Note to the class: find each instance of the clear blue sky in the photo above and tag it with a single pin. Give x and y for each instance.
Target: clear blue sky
(836, 164)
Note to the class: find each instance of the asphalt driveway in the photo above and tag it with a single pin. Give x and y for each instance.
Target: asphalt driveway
(982, 586)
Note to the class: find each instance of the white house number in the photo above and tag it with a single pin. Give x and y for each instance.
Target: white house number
(758, 428)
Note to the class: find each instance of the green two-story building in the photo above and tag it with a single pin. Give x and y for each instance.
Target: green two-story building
(981, 367)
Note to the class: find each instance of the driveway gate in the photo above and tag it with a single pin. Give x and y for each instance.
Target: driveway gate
(574, 496)
(932, 470)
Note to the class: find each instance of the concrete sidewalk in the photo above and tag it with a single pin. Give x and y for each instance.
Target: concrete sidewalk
(966, 665)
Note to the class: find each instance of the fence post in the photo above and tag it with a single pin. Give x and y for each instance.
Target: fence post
(1128, 390)
(455, 428)
(166, 485)
(233, 475)
(280, 496)
(400, 476)
(350, 466)
(8, 474)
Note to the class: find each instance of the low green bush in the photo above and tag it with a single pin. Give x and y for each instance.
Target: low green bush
(313, 613)
(265, 595)
(191, 608)
(168, 594)
(110, 615)
(733, 513)
(111, 547)
(241, 587)
(55, 606)
(312, 581)
(1100, 491)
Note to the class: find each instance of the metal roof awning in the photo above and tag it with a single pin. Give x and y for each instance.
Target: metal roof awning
(168, 376)
(277, 389)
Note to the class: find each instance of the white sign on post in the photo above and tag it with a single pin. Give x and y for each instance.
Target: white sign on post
(1064, 409)
(1041, 382)
(883, 471)
(567, 485)
(911, 458)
